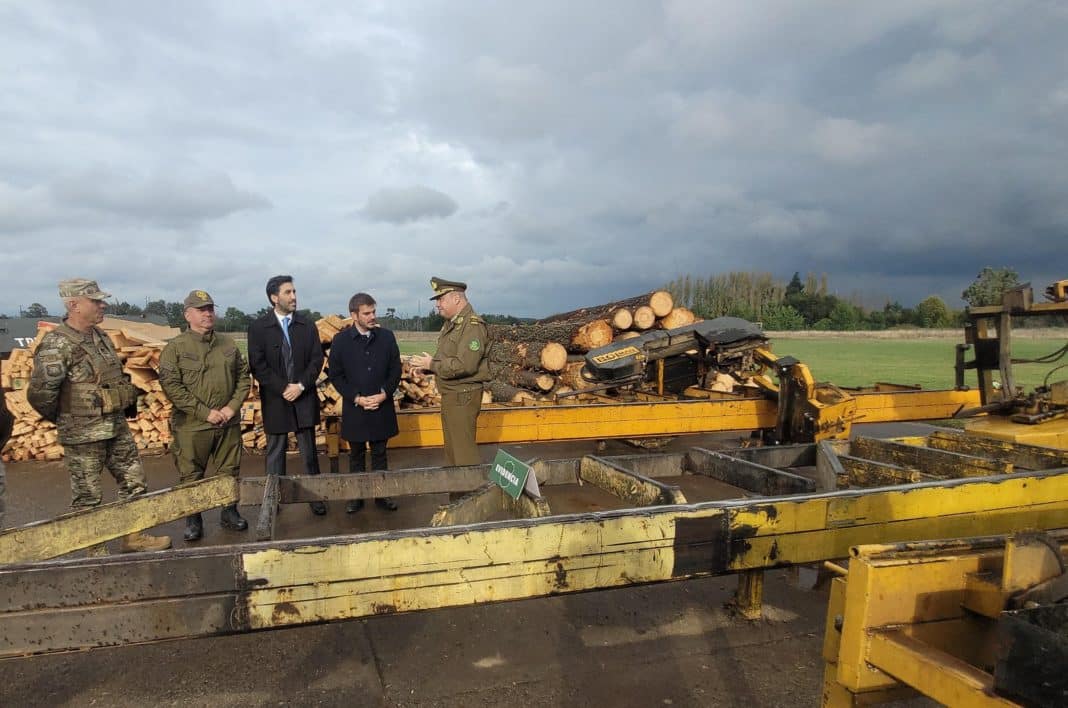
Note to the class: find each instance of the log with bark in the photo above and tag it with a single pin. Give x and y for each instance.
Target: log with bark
(548, 356)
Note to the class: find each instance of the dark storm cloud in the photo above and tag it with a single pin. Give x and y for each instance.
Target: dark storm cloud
(895, 147)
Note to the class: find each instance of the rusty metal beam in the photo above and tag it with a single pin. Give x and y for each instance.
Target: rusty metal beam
(635, 489)
(750, 476)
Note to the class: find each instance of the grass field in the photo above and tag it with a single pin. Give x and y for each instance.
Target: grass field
(927, 362)
(857, 361)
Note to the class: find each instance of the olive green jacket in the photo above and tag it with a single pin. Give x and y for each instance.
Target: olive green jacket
(202, 372)
(460, 362)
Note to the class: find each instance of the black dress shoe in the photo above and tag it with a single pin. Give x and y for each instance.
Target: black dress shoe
(353, 506)
(386, 503)
(230, 519)
(318, 508)
(194, 528)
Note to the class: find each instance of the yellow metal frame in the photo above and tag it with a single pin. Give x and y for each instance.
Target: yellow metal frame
(285, 583)
(619, 420)
(917, 616)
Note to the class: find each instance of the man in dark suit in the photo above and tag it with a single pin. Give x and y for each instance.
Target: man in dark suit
(286, 358)
(365, 368)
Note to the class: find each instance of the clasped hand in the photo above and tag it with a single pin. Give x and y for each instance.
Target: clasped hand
(370, 403)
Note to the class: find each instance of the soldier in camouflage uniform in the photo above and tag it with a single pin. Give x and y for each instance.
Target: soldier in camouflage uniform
(78, 384)
(207, 379)
(461, 369)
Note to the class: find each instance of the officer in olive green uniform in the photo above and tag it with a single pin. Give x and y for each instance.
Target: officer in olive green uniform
(78, 384)
(206, 378)
(461, 369)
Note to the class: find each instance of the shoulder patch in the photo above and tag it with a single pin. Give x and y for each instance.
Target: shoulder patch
(474, 345)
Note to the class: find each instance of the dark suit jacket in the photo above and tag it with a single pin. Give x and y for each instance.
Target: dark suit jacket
(267, 362)
(361, 366)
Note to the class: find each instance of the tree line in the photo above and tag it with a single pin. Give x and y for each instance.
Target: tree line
(236, 320)
(807, 304)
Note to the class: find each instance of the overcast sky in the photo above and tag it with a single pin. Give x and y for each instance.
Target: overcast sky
(551, 154)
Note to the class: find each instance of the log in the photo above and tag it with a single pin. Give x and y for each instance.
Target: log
(661, 302)
(571, 377)
(678, 317)
(621, 319)
(597, 312)
(644, 318)
(549, 356)
(522, 378)
(629, 334)
(592, 335)
(501, 392)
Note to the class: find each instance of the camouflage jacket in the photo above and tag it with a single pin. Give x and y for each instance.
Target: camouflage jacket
(460, 362)
(59, 361)
(201, 372)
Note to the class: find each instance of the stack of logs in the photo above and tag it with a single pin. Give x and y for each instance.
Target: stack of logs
(542, 361)
(532, 362)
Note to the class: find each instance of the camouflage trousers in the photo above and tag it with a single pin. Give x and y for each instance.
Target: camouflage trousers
(195, 450)
(3, 489)
(86, 460)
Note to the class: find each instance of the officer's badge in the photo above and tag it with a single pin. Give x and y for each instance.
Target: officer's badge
(474, 345)
(202, 295)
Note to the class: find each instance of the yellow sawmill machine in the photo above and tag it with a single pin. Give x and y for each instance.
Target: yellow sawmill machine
(976, 621)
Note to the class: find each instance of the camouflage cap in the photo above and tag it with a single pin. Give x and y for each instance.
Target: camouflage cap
(80, 287)
(198, 298)
(440, 286)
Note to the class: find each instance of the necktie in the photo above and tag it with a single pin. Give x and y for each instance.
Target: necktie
(285, 328)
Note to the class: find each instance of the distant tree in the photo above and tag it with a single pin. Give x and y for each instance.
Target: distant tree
(989, 285)
(175, 314)
(36, 310)
(933, 313)
(781, 317)
(124, 308)
(234, 321)
(844, 317)
(156, 307)
(795, 287)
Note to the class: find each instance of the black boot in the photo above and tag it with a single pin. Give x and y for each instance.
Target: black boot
(353, 506)
(385, 503)
(194, 527)
(318, 507)
(232, 520)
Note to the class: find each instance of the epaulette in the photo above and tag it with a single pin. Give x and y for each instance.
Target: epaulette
(477, 320)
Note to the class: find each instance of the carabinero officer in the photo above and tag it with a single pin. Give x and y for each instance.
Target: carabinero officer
(460, 367)
(206, 378)
(78, 384)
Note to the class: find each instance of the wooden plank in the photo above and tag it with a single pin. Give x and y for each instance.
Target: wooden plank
(928, 460)
(632, 488)
(295, 489)
(750, 476)
(1032, 457)
(81, 529)
(268, 509)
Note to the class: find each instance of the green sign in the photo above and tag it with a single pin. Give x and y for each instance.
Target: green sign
(511, 474)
